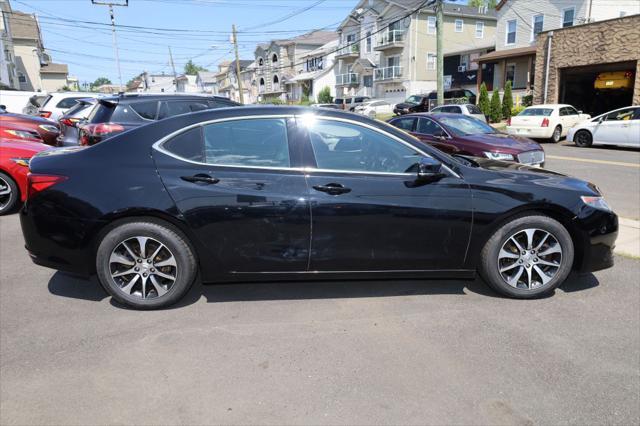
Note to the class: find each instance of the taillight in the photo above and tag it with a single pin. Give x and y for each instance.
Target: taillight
(509, 121)
(38, 183)
(545, 122)
(93, 133)
(71, 122)
(45, 114)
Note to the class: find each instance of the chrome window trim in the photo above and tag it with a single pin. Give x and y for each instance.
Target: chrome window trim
(158, 146)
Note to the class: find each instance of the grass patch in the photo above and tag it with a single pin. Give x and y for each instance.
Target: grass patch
(384, 117)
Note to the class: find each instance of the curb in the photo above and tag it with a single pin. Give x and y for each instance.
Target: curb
(628, 242)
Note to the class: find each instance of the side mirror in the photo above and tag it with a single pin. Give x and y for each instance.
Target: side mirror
(429, 170)
(580, 111)
(440, 134)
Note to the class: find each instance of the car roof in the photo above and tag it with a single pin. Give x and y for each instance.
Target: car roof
(158, 96)
(549, 106)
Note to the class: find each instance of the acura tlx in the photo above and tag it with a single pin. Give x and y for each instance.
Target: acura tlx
(274, 193)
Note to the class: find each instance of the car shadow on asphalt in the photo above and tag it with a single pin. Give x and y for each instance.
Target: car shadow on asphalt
(65, 285)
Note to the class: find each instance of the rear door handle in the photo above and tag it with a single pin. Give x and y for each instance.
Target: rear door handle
(201, 178)
(332, 188)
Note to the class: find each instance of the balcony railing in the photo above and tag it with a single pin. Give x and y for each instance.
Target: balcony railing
(347, 79)
(388, 73)
(393, 38)
(349, 50)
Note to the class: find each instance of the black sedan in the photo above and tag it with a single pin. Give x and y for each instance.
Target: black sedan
(271, 193)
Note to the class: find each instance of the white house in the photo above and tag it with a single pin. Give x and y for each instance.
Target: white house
(158, 83)
(316, 74)
(187, 84)
(206, 82)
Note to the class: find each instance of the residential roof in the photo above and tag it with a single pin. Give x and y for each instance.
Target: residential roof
(52, 68)
(508, 53)
(314, 38)
(24, 26)
(207, 76)
(243, 64)
(327, 47)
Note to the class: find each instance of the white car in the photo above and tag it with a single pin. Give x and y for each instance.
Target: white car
(466, 109)
(545, 121)
(372, 108)
(57, 103)
(617, 127)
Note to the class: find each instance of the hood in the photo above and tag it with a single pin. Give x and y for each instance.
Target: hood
(511, 172)
(503, 140)
(403, 105)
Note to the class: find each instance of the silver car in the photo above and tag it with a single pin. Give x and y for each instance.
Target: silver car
(78, 113)
(466, 109)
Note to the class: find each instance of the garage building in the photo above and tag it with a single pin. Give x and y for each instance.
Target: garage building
(594, 67)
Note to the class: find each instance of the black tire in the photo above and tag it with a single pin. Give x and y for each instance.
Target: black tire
(583, 139)
(556, 135)
(173, 239)
(489, 263)
(8, 202)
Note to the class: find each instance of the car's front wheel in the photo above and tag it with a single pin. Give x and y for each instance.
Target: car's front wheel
(527, 257)
(145, 265)
(583, 139)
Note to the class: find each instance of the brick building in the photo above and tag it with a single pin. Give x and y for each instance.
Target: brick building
(595, 66)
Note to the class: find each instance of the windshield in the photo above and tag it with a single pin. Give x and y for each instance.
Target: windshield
(545, 112)
(414, 99)
(462, 125)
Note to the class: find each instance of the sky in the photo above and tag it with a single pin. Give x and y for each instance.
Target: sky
(88, 49)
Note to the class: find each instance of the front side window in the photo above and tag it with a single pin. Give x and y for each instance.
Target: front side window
(431, 25)
(479, 29)
(511, 32)
(568, 17)
(350, 147)
(538, 23)
(428, 127)
(622, 115)
(459, 25)
(172, 108)
(254, 142)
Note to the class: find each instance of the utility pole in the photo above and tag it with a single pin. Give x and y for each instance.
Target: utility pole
(439, 51)
(173, 67)
(234, 40)
(113, 29)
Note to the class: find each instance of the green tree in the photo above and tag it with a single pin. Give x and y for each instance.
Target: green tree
(100, 81)
(324, 96)
(192, 69)
(507, 101)
(483, 102)
(496, 107)
(489, 3)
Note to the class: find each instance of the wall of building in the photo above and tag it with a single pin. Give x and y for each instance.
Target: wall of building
(611, 41)
(28, 63)
(53, 82)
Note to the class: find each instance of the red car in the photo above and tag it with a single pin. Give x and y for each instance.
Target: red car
(14, 167)
(464, 135)
(16, 133)
(47, 129)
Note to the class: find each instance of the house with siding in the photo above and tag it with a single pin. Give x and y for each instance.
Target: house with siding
(519, 24)
(8, 73)
(206, 82)
(316, 73)
(386, 54)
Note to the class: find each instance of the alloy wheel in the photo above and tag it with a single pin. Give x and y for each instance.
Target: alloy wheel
(143, 267)
(529, 259)
(556, 134)
(5, 193)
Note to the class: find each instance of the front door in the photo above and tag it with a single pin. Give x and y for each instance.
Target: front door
(233, 183)
(432, 133)
(617, 127)
(368, 213)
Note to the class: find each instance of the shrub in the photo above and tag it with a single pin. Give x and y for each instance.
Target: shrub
(527, 100)
(324, 96)
(507, 101)
(517, 110)
(495, 114)
(483, 101)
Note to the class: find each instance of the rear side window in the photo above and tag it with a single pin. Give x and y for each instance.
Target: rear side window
(339, 101)
(187, 145)
(79, 106)
(254, 142)
(67, 103)
(473, 109)
(146, 110)
(171, 108)
(404, 123)
(101, 113)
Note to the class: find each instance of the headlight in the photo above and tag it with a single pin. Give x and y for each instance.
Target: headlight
(48, 128)
(596, 202)
(21, 161)
(499, 156)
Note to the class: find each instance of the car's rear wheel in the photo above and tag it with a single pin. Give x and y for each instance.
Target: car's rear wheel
(145, 265)
(583, 139)
(9, 194)
(556, 135)
(527, 257)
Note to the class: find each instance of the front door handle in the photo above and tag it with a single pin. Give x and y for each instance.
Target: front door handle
(332, 188)
(201, 178)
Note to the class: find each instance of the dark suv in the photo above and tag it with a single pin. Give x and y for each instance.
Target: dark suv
(423, 103)
(115, 114)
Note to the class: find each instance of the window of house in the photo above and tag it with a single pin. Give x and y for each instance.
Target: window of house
(368, 41)
(511, 31)
(464, 61)
(459, 25)
(431, 61)
(367, 80)
(479, 29)
(260, 62)
(568, 16)
(274, 58)
(431, 25)
(510, 73)
(538, 23)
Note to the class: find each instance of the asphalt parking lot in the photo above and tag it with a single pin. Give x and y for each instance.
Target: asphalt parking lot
(366, 352)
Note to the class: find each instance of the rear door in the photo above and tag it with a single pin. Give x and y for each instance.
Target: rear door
(235, 183)
(368, 215)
